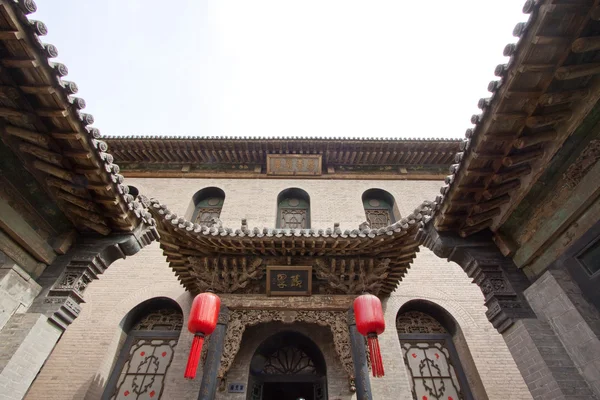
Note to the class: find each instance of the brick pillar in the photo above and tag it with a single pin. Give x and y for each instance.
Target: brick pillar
(27, 339)
(210, 379)
(545, 365)
(359, 358)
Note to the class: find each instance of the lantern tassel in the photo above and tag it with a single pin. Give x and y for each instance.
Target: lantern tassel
(194, 357)
(375, 353)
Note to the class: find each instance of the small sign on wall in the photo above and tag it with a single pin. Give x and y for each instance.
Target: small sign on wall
(294, 164)
(289, 281)
(236, 387)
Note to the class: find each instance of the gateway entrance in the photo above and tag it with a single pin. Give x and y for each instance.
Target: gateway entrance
(287, 366)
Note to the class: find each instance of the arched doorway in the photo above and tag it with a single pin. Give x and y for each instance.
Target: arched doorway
(287, 366)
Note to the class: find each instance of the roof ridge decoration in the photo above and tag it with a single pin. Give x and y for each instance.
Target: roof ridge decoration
(182, 239)
(283, 138)
(545, 89)
(44, 124)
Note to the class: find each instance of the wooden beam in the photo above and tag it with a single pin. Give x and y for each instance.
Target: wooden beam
(37, 89)
(52, 170)
(78, 201)
(495, 191)
(87, 215)
(566, 96)
(101, 229)
(31, 136)
(517, 159)
(52, 113)
(577, 71)
(82, 155)
(42, 154)
(10, 35)
(478, 218)
(464, 232)
(66, 135)
(67, 187)
(538, 121)
(19, 63)
(488, 205)
(24, 234)
(510, 174)
(584, 44)
(12, 113)
(530, 140)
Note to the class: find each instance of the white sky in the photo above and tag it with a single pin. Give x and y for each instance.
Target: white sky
(281, 68)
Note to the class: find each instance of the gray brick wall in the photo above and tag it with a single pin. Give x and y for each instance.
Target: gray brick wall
(129, 282)
(27, 340)
(557, 300)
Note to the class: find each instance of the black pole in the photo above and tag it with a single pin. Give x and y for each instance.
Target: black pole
(210, 380)
(359, 357)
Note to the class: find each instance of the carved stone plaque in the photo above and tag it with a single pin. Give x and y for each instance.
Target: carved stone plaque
(289, 281)
(294, 164)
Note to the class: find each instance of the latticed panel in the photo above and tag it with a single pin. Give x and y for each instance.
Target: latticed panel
(161, 320)
(293, 218)
(431, 370)
(206, 215)
(143, 373)
(378, 218)
(289, 361)
(418, 322)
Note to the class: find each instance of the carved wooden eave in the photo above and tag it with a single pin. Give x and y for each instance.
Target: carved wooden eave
(42, 122)
(545, 91)
(146, 156)
(227, 259)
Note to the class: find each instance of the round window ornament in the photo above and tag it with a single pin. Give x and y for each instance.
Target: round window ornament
(374, 203)
(213, 201)
(293, 202)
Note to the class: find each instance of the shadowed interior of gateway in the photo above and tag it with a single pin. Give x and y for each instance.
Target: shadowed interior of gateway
(287, 366)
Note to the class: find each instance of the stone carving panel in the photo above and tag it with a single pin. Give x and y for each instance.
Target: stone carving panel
(239, 320)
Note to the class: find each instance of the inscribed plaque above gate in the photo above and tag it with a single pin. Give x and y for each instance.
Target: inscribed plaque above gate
(289, 281)
(294, 164)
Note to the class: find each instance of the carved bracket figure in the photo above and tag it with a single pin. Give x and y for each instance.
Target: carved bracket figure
(353, 276)
(227, 274)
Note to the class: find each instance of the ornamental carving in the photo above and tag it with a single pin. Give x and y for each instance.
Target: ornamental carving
(353, 276)
(586, 160)
(239, 320)
(227, 274)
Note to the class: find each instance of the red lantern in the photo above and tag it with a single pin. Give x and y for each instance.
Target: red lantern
(370, 323)
(203, 321)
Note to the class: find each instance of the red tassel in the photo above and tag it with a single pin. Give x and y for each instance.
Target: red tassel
(375, 352)
(194, 357)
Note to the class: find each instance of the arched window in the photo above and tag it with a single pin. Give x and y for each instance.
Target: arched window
(293, 209)
(208, 203)
(428, 335)
(379, 208)
(152, 329)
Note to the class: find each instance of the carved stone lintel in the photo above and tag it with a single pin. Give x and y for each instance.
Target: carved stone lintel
(81, 265)
(239, 320)
(500, 281)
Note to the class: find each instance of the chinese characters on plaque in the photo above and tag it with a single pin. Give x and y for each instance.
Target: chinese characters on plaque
(293, 164)
(289, 281)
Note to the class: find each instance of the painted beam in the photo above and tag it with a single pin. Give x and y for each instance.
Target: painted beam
(22, 233)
